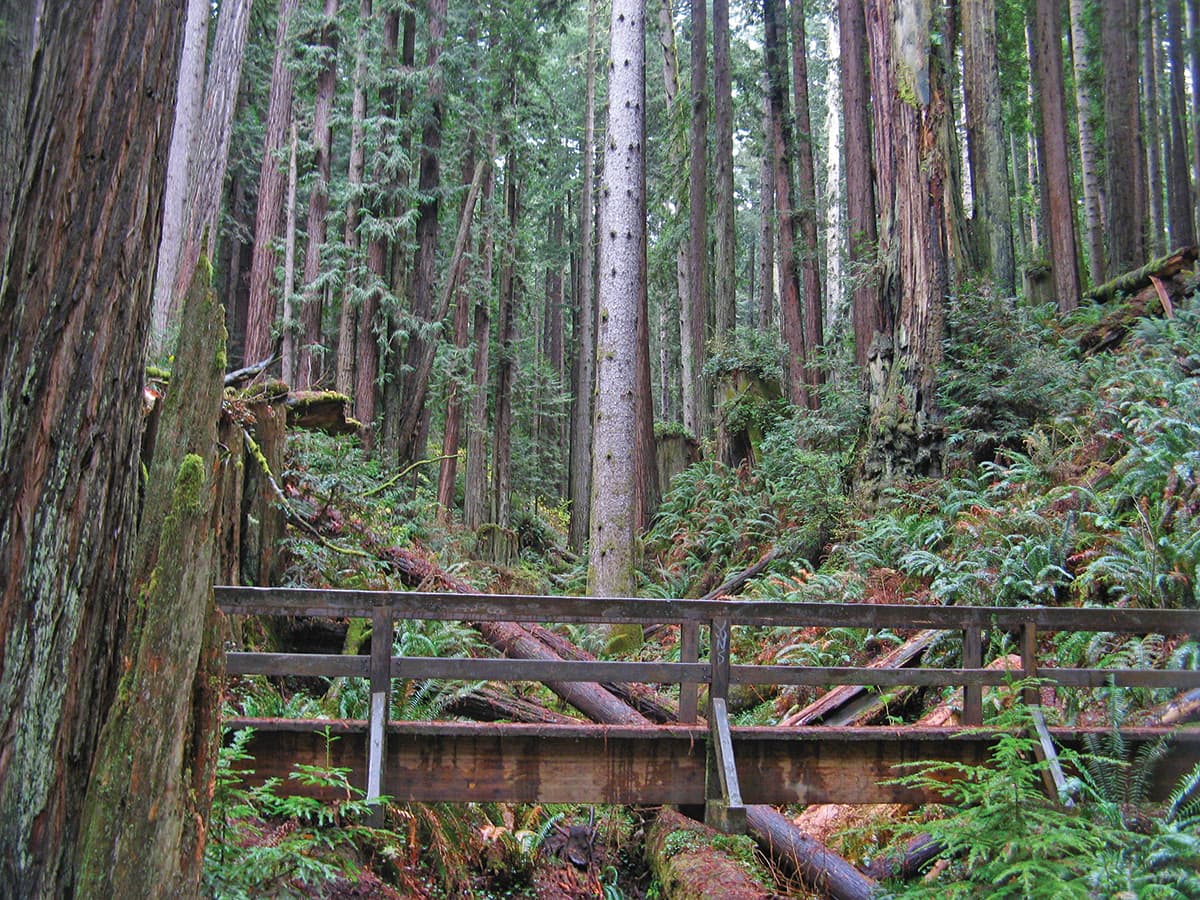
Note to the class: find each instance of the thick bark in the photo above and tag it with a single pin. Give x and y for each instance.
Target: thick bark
(904, 433)
(413, 437)
(622, 248)
(1179, 188)
(179, 163)
(1153, 124)
(138, 836)
(806, 198)
(1089, 154)
(309, 357)
(766, 226)
(1193, 36)
(985, 136)
(870, 312)
(790, 315)
(694, 308)
(1060, 217)
(835, 239)
(82, 212)
(260, 318)
(347, 345)
(210, 155)
(1125, 216)
(288, 339)
(724, 216)
(585, 316)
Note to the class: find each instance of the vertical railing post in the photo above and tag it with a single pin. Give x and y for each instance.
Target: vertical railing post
(381, 682)
(1029, 668)
(723, 809)
(689, 652)
(972, 714)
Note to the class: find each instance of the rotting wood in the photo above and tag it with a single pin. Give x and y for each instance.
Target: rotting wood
(689, 866)
(325, 411)
(827, 707)
(1164, 267)
(491, 703)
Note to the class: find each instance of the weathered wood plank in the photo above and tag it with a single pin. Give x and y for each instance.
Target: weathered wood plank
(458, 762)
(814, 675)
(530, 608)
(330, 665)
(469, 669)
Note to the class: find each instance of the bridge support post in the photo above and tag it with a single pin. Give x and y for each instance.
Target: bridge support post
(723, 808)
(381, 683)
(689, 649)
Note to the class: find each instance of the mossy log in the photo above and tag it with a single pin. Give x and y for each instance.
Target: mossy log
(326, 411)
(693, 862)
(1131, 282)
(1111, 331)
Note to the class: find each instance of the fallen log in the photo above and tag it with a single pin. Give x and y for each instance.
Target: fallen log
(326, 411)
(690, 866)
(1131, 282)
(491, 704)
(851, 701)
(807, 858)
(238, 377)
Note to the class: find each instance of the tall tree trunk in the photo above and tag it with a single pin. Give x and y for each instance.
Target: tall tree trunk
(1125, 217)
(689, 370)
(806, 171)
(724, 215)
(1151, 57)
(143, 833)
(413, 442)
(82, 216)
(507, 365)
(288, 289)
(694, 312)
(260, 318)
(1193, 29)
(985, 136)
(1060, 218)
(211, 151)
(1089, 156)
(834, 238)
(904, 433)
(310, 359)
(1179, 187)
(347, 348)
(790, 315)
(585, 356)
(766, 221)
(394, 385)
(870, 312)
(622, 248)
(188, 104)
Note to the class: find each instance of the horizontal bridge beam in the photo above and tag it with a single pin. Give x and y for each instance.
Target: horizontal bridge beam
(458, 762)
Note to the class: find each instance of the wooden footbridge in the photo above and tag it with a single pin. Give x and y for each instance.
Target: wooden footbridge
(692, 763)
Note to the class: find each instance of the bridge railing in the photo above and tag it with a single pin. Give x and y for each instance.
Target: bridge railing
(717, 671)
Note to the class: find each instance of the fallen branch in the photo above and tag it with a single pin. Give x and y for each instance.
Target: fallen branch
(238, 377)
(807, 858)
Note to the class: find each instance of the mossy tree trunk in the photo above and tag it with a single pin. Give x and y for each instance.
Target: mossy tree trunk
(86, 134)
(148, 798)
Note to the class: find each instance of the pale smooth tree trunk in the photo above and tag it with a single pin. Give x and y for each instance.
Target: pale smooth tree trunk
(985, 133)
(347, 349)
(585, 340)
(260, 318)
(188, 103)
(1089, 154)
(834, 239)
(81, 195)
(310, 358)
(211, 147)
(622, 249)
(724, 222)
